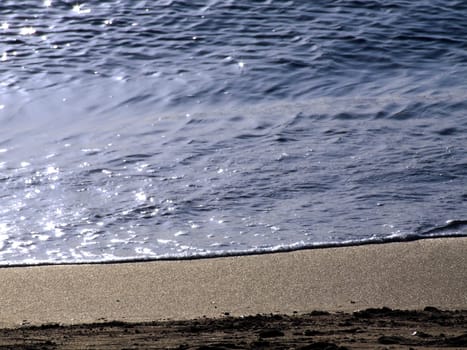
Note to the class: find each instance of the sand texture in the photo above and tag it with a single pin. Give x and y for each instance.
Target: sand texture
(409, 275)
(370, 329)
(404, 276)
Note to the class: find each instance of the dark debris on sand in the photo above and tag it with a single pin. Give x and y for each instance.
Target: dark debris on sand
(367, 329)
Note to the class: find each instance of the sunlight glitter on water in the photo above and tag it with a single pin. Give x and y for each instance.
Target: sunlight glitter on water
(81, 9)
(27, 31)
(227, 127)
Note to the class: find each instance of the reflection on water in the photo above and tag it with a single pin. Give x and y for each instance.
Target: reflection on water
(181, 128)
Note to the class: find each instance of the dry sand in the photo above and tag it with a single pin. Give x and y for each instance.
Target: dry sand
(411, 275)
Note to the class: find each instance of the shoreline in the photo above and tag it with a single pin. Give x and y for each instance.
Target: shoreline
(235, 254)
(406, 275)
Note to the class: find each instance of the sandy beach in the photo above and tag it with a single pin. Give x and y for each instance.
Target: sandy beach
(425, 276)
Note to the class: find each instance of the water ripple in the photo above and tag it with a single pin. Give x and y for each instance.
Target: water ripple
(134, 130)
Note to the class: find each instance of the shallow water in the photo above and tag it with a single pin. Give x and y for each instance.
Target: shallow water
(139, 130)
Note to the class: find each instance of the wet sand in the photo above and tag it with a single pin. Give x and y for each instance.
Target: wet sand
(369, 329)
(405, 276)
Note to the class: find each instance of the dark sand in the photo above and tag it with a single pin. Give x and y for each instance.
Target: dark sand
(213, 302)
(369, 329)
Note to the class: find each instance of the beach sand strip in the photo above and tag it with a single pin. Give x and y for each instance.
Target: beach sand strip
(428, 275)
(410, 275)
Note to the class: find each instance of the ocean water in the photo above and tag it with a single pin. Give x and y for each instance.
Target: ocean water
(134, 130)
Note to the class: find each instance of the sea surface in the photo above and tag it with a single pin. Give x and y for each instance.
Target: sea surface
(133, 130)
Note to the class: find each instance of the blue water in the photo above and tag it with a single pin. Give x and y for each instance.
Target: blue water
(172, 129)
